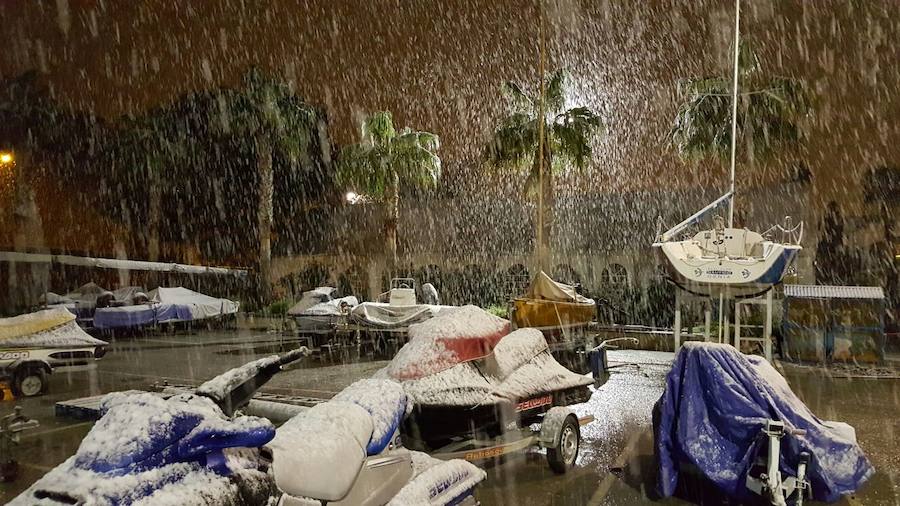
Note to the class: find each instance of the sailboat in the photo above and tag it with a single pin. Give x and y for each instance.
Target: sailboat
(726, 261)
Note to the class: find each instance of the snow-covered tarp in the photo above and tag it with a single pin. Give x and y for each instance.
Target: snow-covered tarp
(311, 298)
(544, 288)
(380, 315)
(456, 335)
(141, 314)
(201, 306)
(468, 357)
(711, 414)
(144, 444)
(48, 328)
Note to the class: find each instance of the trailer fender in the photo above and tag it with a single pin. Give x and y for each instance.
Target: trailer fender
(553, 421)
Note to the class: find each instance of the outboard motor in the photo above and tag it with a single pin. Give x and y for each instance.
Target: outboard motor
(105, 299)
(430, 295)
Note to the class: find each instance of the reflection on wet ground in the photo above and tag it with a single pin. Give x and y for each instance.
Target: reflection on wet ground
(615, 466)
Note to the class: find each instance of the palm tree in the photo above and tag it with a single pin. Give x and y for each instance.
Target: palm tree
(275, 122)
(567, 137)
(383, 161)
(768, 118)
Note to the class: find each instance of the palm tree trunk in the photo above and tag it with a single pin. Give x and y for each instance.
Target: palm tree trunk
(155, 198)
(264, 215)
(391, 220)
(547, 200)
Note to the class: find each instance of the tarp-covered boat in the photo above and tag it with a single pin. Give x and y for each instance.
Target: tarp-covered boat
(166, 305)
(549, 304)
(48, 328)
(711, 416)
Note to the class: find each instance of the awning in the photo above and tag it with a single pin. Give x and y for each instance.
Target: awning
(833, 292)
(113, 263)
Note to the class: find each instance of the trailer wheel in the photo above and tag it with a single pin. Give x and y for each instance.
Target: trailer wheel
(561, 457)
(31, 381)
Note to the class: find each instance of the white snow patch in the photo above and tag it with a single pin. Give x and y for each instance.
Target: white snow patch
(221, 385)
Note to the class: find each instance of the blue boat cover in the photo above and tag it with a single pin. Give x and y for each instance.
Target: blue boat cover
(140, 315)
(713, 410)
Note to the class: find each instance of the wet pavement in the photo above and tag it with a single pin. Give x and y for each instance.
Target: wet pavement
(615, 465)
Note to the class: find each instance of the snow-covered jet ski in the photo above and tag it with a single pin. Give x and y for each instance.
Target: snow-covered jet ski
(348, 451)
(188, 449)
(198, 449)
(466, 374)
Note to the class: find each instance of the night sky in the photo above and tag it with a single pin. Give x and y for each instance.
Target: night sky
(438, 66)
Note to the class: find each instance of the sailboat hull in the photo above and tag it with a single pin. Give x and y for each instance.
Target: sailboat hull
(731, 277)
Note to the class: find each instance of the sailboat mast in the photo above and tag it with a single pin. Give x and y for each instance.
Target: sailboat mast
(734, 103)
(540, 153)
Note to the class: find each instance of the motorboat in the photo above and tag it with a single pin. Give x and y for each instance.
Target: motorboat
(731, 261)
(551, 305)
(162, 305)
(319, 313)
(34, 344)
(470, 377)
(398, 308)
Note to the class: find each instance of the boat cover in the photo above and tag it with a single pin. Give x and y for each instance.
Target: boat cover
(201, 306)
(544, 288)
(311, 298)
(714, 407)
(380, 315)
(140, 315)
(48, 328)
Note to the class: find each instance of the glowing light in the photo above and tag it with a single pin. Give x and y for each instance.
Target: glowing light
(6, 157)
(351, 197)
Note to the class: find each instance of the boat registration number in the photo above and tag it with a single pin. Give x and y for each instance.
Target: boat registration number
(534, 403)
(13, 355)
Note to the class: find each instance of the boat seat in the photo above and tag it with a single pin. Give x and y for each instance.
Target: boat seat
(385, 401)
(320, 452)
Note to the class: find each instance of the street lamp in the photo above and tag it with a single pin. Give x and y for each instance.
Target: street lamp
(6, 157)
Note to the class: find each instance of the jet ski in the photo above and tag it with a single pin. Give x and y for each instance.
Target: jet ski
(197, 448)
(191, 448)
(348, 451)
(467, 374)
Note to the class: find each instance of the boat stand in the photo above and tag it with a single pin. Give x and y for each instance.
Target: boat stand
(724, 334)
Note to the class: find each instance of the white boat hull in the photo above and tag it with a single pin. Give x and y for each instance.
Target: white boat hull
(707, 275)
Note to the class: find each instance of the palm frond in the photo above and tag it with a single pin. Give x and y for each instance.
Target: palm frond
(514, 142)
(555, 92)
(572, 134)
(414, 158)
(379, 128)
(518, 100)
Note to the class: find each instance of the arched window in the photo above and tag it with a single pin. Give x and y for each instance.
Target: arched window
(615, 276)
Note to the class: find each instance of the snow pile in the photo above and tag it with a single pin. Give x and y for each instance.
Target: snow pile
(519, 367)
(454, 336)
(219, 387)
(385, 401)
(438, 483)
(319, 453)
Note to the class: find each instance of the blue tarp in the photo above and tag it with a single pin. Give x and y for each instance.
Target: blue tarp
(713, 410)
(140, 315)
